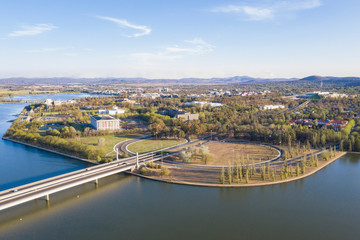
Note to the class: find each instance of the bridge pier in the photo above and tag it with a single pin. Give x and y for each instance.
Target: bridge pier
(46, 197)
(96, 182)
(47, 200)
(117, 154)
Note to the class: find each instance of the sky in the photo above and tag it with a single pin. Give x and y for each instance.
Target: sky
(179, 38)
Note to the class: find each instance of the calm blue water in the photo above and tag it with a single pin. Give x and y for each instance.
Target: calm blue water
(322, 206)
(20, 164)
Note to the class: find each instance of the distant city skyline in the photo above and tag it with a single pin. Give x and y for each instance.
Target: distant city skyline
(179, 39)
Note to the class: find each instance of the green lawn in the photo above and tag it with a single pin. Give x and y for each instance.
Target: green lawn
(109, 142)
(149, 145)
(50, 114)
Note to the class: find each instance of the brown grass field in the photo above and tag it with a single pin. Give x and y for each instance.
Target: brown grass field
(209, 176)
(225, 153)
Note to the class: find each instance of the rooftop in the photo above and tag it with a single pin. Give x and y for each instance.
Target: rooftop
(103, 117)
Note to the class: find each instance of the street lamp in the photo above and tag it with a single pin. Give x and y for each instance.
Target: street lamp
(161, 153)
(153, 154)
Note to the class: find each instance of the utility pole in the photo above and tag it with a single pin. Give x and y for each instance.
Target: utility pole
(137, 160)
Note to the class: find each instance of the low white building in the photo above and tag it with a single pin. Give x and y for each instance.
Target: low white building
(145, 96)
(104, 122)
(115, 110)
(214, 104)
(202, 104)
(49, 102)
(271, 107)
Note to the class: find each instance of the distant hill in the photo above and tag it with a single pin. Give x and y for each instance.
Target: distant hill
(139, 81)
(183, 81)
(319, 78)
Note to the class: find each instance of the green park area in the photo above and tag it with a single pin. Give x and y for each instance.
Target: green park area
(151, 144)
(105, 142)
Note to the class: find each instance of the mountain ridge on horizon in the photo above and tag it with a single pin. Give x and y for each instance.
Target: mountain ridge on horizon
(186, 81)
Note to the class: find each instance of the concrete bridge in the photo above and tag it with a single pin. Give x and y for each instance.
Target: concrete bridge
(43, 188)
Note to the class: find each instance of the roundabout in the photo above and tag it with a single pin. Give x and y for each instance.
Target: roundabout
(225, 153)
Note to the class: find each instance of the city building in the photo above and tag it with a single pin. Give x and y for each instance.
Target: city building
(104, 122)
(178, 113)
(188, 116)
(115, 110)
(337, 125)
(50, 103)
(126, 100)
(271, 107)
(145, 96)
(202, 104)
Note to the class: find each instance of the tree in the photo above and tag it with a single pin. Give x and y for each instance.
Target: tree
(297, 170)
(357, 144)
(185, 156)
(65, 132)
(247, 176)
(350, 146)
(237, 173)
(157, 125)
(164, 171)
(205, 156)
(323, 139)
(228, 174)
(222, 176)
(341, 147)
(53, 132)
(262, 172)
(143, 170)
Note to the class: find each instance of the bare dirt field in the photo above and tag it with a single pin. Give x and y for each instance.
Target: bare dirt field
(225, 153)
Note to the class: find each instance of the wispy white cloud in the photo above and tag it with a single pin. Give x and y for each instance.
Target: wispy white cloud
(32, 30)
(196, 46)
(252, 13)
(144, 30)
(269, 9)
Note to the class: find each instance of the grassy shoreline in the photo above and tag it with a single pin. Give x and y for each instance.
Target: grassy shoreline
(52, 151)
(174, 181)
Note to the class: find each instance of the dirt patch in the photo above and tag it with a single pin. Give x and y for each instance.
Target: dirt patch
(260, 175)
(223, 153)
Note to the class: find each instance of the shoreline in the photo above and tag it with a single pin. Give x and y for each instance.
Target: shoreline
(192, 183)
(51, 151)
(241, 185)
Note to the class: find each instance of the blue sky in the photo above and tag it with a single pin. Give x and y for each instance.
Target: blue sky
(175, 39)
